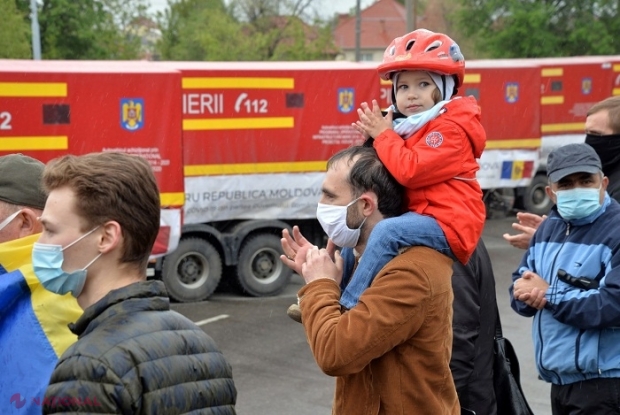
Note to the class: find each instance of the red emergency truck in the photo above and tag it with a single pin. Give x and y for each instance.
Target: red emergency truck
(242, 147)
(504, 89)
(256, 137)
(569, 87)
(51, 108)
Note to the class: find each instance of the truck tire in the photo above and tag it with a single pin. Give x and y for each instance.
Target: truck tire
(193, 271)
(260, 272)
(535, 199)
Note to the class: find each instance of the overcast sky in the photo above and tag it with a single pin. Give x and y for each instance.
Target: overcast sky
(327, 7)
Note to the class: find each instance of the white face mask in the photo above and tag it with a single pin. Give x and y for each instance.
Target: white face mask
(333, 219)
(9, 219)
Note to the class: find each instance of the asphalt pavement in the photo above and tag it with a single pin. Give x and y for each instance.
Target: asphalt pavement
(273, 368)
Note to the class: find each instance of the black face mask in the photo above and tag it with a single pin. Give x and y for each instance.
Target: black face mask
(608, 149)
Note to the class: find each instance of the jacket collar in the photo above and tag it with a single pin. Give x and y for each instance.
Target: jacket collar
(140, 296)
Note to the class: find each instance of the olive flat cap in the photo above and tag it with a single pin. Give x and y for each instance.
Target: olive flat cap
(570, 159)
(20, 181)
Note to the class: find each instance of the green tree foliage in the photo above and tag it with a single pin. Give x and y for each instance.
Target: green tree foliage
(281, 31)
(90, 29)
(540, 28)
(199, 30)
(14, 32)
(245, 30)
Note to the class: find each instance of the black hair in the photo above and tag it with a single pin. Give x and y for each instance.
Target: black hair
(369, 174)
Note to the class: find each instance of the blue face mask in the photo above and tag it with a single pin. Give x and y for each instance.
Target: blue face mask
(578, 203)
(47, 262)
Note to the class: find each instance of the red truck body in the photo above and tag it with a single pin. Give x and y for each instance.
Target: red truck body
(52, 108)
(239, 149)
(569, 87)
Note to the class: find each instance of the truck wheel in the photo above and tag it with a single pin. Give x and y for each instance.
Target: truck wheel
(259, 271)
(193, 271)
(535, 199)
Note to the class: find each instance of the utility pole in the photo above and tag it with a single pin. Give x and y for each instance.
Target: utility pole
(410, 10)
(36, 37)
(358, 31)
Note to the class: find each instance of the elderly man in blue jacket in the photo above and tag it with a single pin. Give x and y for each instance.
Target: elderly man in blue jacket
(569, 281)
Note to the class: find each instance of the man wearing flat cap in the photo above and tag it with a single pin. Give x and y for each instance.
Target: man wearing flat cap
(569, 281)
(33, 320)
(21, 198)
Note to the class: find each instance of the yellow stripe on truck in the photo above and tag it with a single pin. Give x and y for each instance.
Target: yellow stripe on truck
(172, 199)
(34, 143)
(552, 100)
(556, 128)
(516, 143)
(33, 89)
(238, 83)
(237, 123)
(472, 78)
(552, 72)
(254, 168)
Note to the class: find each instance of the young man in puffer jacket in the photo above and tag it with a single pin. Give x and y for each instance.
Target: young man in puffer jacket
(133, 354)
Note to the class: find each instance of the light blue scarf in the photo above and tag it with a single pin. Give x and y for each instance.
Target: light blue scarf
(405, 127)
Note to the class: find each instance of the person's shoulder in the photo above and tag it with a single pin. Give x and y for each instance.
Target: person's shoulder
(614, 205)
(424, 260)
(466, 101)
(610, 219)
(145, 336)
(458, 112)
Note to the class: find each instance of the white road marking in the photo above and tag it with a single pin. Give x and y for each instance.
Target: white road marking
(212, 319)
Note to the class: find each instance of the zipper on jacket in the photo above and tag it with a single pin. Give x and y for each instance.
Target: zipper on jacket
(540, 337)
(578, 349)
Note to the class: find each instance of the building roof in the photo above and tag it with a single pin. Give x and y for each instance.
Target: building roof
(385, 20)
(381, 22)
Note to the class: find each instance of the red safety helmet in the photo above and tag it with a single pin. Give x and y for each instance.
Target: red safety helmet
(423, 50)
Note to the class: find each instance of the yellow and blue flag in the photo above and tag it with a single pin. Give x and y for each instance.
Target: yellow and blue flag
(33, 330)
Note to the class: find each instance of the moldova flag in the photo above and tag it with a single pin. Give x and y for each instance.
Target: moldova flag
(33, 330)
(517, 170)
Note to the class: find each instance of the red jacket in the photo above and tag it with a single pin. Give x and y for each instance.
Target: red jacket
(437, 165)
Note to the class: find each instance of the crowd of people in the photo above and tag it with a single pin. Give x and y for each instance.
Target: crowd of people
(399, 306)
(567, 279)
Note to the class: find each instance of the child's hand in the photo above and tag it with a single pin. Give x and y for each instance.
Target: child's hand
(371, 121)
(361, 131)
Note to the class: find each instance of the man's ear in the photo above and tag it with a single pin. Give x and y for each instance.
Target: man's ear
(551, 195)
(370, 203)
(29, 224)
(605, 183)
(111, 237)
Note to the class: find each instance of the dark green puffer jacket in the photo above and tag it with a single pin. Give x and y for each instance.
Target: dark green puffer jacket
(136, 356)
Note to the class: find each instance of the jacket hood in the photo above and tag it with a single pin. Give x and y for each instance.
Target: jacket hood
(465, 112)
